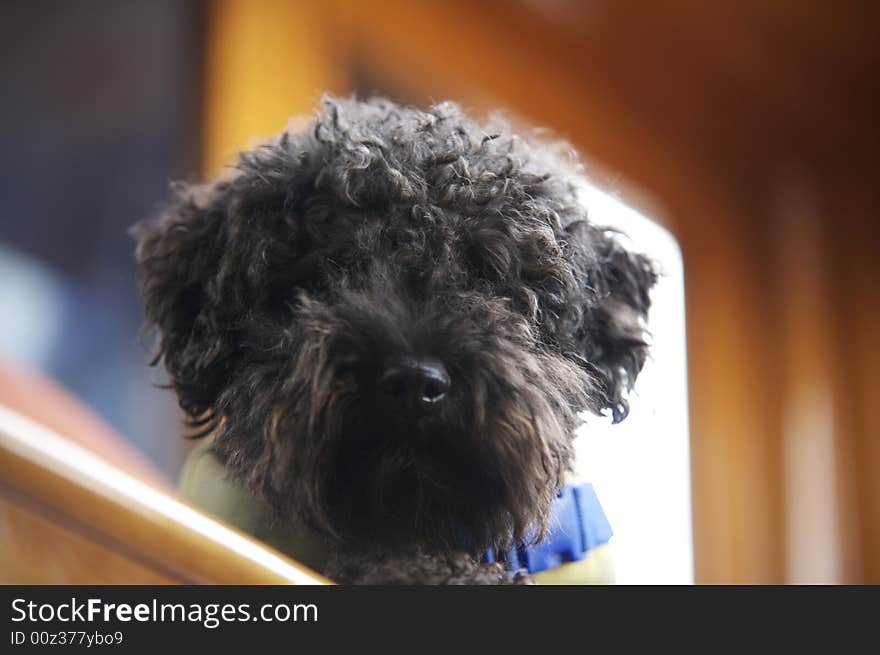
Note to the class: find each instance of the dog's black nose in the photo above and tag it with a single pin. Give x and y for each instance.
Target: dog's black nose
(418, 382)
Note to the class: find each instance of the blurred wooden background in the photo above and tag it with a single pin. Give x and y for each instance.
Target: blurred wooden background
(749, 129)
(68, 517)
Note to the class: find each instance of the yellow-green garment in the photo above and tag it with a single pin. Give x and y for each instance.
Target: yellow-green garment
(204, 484)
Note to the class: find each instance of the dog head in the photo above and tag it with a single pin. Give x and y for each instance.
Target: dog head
(391, 321)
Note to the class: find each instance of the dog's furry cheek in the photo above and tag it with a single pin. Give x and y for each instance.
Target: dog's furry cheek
(531, 453)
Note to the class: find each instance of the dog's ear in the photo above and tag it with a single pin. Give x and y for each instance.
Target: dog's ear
(216, 253)
(181, 255)
(609, 332)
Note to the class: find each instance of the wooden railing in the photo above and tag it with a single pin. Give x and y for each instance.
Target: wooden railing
(69, 517)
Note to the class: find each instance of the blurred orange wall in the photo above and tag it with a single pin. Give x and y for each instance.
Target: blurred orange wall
(750, 130)
(266, 62)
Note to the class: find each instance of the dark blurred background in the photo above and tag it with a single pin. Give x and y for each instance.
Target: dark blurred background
(749, 130)
(101, 107)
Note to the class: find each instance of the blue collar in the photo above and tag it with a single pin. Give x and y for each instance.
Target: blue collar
(577, 525)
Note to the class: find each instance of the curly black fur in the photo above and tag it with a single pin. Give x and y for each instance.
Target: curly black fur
(281, 292)
(454, 568)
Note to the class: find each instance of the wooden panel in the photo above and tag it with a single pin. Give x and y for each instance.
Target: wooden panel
(31, 394)
(37, 550)
(49, 480)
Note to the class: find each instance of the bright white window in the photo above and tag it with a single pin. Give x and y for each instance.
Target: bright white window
(640, 468)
